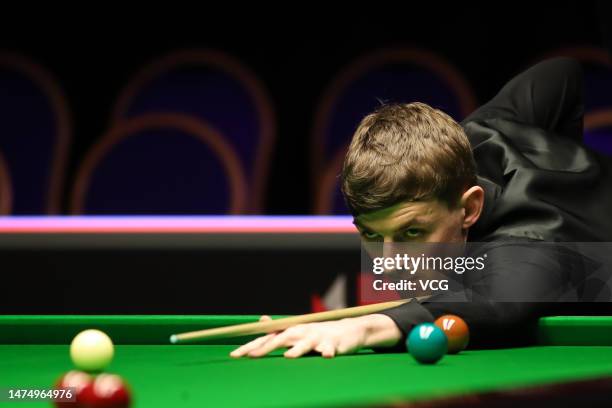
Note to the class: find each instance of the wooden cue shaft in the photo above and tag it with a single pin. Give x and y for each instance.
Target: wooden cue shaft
(284, 323)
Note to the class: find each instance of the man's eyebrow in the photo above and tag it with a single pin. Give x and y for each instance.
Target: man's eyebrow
(415, 220)
(358, 224)
(411, 221)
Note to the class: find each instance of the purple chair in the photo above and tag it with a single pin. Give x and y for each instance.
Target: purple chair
(393, 75)
(160, 164)
(36, 128)
(214, 88)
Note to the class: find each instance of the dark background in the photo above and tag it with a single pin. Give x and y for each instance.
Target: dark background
(296, 50)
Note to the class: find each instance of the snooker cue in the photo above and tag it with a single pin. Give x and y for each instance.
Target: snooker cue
(284, 323)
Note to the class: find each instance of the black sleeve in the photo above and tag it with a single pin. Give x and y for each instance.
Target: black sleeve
(548, 95)
(539, 275)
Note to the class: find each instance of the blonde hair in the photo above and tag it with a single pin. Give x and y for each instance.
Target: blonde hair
(406, 152)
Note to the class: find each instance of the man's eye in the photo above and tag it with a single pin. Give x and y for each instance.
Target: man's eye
(412, 232)
(369, 235)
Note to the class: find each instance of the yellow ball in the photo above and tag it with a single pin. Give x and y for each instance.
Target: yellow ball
(91, 350)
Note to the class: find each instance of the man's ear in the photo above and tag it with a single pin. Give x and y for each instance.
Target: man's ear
(472, 202)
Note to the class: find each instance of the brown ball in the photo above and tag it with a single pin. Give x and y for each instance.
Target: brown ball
(456, 331)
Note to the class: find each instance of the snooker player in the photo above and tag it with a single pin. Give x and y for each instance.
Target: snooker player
(515, 172)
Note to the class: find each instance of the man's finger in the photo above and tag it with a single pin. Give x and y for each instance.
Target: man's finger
(326, 348)
(346, 347)
(252, 345)
(300, 348)
(283, 339)
(244, 349)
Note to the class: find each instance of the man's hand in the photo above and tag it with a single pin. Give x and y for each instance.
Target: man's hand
(327, 338)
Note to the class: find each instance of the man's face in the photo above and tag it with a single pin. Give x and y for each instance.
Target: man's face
(418, 221)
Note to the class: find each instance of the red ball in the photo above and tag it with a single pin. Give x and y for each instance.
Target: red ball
(456, 331)
(79, 381)
(106, 391)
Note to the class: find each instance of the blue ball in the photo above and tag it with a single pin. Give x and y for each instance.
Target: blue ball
(427, 343)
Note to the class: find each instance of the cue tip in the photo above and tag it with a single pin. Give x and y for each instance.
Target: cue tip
(173, 339)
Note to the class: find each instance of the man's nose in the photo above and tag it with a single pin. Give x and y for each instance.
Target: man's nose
(388, 247)
(390, 250)
(388, 240)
